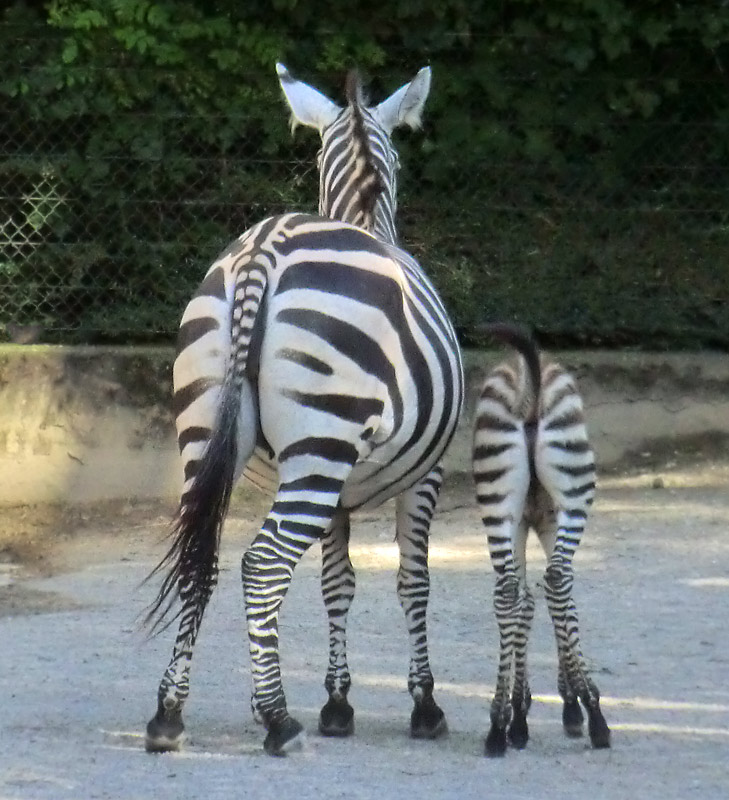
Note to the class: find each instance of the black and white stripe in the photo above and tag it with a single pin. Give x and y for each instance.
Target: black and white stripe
(320, 356)
(358, 164)
(534, 468)
(358, 171)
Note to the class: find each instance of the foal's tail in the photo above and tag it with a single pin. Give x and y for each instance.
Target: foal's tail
(524, 343)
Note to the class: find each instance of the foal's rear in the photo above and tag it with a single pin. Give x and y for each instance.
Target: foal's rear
(534, 468)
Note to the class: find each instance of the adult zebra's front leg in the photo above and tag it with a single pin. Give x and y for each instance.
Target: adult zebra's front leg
(337, 584)
(292, 525)
(415, 508)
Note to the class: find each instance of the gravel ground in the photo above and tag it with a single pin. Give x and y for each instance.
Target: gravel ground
(78, 680)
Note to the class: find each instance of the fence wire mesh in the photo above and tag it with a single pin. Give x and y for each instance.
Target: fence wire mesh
(107, 224)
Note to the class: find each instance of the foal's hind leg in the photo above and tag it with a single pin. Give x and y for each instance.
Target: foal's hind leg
(337, 584)
(514, 610)
(572, 717)
(574, 679)
(521, 696)
(565, 467)
(502, 475)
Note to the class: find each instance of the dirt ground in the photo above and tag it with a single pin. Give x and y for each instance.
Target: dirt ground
(78, 679)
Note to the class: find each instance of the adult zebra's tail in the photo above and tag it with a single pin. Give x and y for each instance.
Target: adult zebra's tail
(191, 563)
(192, 559)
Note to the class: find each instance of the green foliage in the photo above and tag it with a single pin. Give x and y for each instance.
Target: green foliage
(554, 181)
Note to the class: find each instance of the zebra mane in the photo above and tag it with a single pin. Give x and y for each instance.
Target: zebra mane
(353, 89)
(372, 183)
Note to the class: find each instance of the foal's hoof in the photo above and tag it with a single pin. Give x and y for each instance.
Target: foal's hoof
(598, 728)
(284, 737)
(572, 718)
(427, 720)
(495, 744)
(336, 718)
(519, 731)
(165, 731)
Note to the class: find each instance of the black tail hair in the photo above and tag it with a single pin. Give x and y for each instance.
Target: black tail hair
(192, 560)
(522, 340)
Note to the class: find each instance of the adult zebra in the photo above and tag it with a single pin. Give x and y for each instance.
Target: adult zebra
(534, 468)
(357, 157)
(316, 321)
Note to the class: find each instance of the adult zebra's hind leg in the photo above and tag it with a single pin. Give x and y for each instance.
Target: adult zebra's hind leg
(193, 556)
(302, 512)
(337, 584)
(215, 416)
(415, 508)
(166, 729)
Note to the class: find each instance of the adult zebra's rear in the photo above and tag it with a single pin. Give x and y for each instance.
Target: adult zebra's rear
(330, 351)
(358, 168)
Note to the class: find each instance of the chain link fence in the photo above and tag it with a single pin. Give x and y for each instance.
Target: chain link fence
(108, 223)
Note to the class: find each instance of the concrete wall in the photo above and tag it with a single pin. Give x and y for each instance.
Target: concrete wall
(82, 424)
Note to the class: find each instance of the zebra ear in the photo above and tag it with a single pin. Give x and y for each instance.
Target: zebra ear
(405, 106)
(308, 106)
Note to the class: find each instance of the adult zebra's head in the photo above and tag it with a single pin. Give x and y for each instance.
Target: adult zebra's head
(357, 162)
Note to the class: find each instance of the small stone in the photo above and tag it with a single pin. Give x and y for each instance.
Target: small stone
(658, 483)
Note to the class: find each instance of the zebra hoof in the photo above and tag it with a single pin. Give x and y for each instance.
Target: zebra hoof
(598, 728)
(165, 731)
(284, 737)
(495, 744)
(572, 719)
(427, 720)
(519, 731)
(336, 718)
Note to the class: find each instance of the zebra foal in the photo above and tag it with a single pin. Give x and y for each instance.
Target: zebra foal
(318, 359)
(533, 468)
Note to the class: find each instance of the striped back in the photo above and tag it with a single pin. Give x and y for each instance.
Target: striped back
(357, 162)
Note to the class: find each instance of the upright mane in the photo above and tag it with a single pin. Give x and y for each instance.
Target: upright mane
(372, 184)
